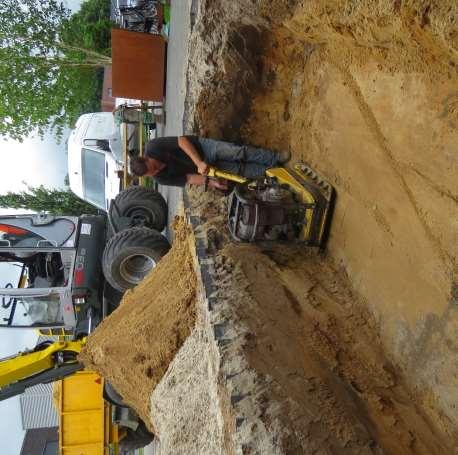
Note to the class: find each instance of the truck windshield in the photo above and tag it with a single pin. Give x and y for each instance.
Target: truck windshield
(35, 270)
(93, 168)
(31, 311)
(33, 286)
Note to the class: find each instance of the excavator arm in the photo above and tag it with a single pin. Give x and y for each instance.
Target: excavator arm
(48, 362)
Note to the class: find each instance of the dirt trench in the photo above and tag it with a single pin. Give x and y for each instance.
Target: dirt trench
(292, 352)
(371, 102)
(366, 93)
(300, 354)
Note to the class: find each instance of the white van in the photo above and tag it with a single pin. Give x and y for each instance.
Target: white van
(94, 158)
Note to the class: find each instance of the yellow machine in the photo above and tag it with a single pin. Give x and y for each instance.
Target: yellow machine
(89, 424)
(93, 418)
(287, 204)
(86, 426)
(46, 363)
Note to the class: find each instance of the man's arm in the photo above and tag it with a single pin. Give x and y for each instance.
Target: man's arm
(187, 146)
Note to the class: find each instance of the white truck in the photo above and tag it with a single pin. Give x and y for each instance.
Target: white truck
(95, 159)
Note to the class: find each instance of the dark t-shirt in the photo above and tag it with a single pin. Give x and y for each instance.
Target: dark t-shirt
(178, 164)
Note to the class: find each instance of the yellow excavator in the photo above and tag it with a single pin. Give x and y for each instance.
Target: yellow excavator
(47, 362)
(93, 418)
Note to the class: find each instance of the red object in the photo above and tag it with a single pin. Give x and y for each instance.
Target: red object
(108, 100)
(78, 277)
(8, 229)
(138, 62)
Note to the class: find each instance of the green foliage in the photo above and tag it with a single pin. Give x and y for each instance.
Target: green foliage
(41, 199)
(51, 63)
(90, 27)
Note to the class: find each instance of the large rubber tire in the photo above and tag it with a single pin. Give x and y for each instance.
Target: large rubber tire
(112, 396)
(112, 297)
(131, 254)
(145, 206)
(136, 439)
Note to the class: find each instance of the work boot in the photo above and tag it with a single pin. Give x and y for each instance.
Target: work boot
(284, 156)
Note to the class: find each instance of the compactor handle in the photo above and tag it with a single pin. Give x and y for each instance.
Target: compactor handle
(213, 172)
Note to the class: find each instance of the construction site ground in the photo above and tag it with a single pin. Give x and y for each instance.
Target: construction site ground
(229, 348)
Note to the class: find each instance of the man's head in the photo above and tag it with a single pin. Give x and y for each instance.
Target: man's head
(142, 165)
(138, 166)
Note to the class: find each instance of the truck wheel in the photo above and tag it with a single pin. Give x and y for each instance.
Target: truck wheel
(131, 254)
(145, 206)
(136, 439)
(112, 396)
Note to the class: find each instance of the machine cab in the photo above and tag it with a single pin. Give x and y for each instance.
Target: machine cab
(37, 257)
(95, 158)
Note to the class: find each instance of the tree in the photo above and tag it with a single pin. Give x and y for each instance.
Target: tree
(41, 199)
(90, 27)
(50, 64)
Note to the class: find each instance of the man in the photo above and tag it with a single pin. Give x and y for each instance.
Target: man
(176, 161)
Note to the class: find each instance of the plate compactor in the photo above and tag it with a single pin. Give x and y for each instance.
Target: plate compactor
(284, 205)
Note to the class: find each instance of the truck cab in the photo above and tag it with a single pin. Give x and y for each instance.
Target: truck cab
(95, 158)
(52, 265)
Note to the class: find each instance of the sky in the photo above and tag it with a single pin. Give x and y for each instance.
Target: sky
(37, 162)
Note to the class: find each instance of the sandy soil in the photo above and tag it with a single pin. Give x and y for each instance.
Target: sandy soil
(134, 346)
(365, 92)
(302, 357)
(185, 405)
(352, 352)
(325, 377)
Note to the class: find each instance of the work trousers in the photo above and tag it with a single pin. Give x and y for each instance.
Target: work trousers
(243, 160)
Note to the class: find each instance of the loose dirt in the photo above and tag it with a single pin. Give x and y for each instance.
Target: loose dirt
(185, 405)
(325, 378)
(134, 346)
(300, 355)
(351, 352)
(366, 93)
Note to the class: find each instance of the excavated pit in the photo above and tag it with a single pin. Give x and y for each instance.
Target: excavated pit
(286, 351)
(366, 93)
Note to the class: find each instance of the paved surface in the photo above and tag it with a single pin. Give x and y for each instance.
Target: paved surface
(177, 51)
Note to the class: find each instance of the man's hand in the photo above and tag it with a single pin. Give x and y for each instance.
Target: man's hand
(218, 184)
(202, 168)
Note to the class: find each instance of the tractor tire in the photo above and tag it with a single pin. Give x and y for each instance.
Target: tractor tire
(112, 396)
(145, 206)
(136, 439)
(131, 254)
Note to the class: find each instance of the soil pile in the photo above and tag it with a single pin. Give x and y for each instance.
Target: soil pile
(134, 346)
(185, 406)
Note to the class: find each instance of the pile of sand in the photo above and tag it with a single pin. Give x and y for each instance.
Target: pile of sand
(134, 346)
(185, 406)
